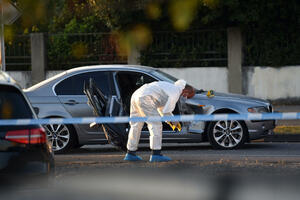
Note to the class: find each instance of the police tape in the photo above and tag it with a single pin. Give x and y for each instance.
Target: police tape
(182, 118)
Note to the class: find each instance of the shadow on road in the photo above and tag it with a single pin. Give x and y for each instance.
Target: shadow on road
(166, 147)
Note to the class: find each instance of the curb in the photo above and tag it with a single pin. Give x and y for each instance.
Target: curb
(282, 138)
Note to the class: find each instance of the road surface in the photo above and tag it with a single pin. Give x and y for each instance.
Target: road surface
(257, 158)
(267, 171)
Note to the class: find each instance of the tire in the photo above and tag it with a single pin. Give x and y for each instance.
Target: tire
(62, 137)
(227, 134)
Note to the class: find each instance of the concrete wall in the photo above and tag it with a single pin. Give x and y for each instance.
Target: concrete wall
(207, 78)
(263, 82)
(24, 78)
(274, 83)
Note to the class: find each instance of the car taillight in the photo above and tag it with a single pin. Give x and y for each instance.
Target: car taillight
(27, 136)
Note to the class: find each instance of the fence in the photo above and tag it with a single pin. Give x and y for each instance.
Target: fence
(18, 53)
(271, 48)
(65, 51)
(168, 49)
(189, 49)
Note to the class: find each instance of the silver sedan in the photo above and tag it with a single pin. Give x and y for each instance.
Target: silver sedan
(63, 96)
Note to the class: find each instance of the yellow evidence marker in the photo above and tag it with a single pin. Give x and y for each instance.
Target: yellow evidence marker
(210, 93)
(174, 127)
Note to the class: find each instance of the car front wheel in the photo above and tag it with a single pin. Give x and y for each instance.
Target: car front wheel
(61, 137)
(227, 134)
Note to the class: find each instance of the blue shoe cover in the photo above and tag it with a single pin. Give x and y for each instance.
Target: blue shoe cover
(159, 158)
(131, 157)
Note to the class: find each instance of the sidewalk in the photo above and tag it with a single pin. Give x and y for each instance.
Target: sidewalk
(287, 108)
(292, 127)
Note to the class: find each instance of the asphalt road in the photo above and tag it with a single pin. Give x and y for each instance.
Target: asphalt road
(267, 171)
(255, 158)
(257, 171)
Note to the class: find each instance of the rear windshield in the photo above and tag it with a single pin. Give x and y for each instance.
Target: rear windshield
(13, 104)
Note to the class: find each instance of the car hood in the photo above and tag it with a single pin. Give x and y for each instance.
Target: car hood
(229, 97)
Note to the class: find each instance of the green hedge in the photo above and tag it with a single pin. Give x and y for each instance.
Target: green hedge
(190, 49)
(278, 47)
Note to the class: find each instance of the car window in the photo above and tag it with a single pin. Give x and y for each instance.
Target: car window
(129, 82)
(133, 79)
(74, 84)
(13, 104)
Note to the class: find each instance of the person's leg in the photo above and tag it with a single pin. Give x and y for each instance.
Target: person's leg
(134, 134)
(155, 129)
(155, 139)
(133, 141)
(148, 106)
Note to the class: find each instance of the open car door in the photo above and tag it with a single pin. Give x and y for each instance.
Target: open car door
(116, 134)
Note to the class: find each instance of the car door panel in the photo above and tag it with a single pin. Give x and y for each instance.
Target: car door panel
(111, 106)
(78, 108)
(71, 96)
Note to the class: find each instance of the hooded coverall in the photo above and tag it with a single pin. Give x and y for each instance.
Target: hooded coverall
(158, 98)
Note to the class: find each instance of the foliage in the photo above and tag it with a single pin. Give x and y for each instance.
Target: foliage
(35, 15)
(72, 16)
(76, 16)
(271, 48)
(82, 49)
(189, 49)
(269, 27)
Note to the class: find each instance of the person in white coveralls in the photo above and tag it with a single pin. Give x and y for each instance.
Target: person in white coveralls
(158, 98)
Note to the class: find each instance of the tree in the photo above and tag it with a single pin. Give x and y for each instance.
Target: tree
(268, 22)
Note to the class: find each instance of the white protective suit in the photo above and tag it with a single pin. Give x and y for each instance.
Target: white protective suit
(158, 98)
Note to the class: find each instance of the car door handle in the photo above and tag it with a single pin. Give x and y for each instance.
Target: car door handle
(71, 102)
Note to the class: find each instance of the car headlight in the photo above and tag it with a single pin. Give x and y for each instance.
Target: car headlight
(260, 109)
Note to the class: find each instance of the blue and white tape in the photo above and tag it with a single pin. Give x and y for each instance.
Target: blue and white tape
(182, 118)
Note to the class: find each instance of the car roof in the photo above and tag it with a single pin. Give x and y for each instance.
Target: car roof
(91, 68)
(110, 67)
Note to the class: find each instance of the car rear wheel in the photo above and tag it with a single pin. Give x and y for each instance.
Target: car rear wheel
(227, 134)
(62, 137)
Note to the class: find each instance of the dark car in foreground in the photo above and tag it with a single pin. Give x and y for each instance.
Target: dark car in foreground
(25, 153)
(63, 96)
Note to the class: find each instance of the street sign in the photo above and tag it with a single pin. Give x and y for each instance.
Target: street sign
(10, 13)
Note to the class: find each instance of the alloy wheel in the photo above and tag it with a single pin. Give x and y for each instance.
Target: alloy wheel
(228, 133)
(58, 135)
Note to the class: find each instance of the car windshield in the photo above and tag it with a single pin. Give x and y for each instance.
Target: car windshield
(164, 76)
